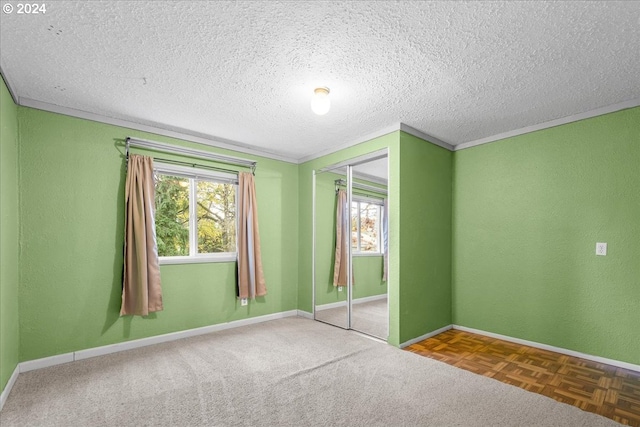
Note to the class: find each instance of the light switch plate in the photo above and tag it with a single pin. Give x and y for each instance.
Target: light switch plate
(601, 249)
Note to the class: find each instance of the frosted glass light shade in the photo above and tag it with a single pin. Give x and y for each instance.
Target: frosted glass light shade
(320, 102)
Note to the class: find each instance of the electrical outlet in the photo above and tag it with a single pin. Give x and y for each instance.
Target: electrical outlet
(339, 288)
(601, 249)
(244, 301)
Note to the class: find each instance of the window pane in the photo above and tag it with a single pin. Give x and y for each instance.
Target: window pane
(216, 217)
(354, 225)
(369, 227)
(172, 215)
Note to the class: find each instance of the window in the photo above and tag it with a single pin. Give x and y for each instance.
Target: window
(195, 215)
(366, 225)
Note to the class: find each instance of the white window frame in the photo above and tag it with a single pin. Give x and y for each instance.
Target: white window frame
(195, 174)
(380, 203)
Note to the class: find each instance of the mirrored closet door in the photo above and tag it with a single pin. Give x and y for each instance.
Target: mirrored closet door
(350, 244)
(369, 226)
(330, 276)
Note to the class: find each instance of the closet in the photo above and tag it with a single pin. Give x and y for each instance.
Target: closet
(350, 244)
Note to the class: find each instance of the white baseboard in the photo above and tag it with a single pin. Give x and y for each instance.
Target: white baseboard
(369, 299)
(331, 305)
(425, 336)
(305, 314)
(560, 350)
(60, 359)
(143, 342)
(45, 362)
(7, 388)
(355, 301)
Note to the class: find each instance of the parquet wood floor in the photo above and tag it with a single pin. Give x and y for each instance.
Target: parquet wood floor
(595, 387)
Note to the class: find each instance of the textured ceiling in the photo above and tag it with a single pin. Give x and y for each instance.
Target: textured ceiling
(244, 71)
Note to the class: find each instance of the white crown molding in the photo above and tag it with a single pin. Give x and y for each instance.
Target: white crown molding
(209, 140)
(384, 131)
(560, 350)
(217, 142)
(368, 137)
(7, 388)
(8, 82)
(370, 178)
(552, 123)
(354, 161)
(419, 134)
(359, 175)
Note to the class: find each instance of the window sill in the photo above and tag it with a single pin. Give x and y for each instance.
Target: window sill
(204, 259)
(365, 254)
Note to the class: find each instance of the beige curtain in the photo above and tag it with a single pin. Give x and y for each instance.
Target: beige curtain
(141, 291)
(343, 231)
(251, 281)
(385, 239)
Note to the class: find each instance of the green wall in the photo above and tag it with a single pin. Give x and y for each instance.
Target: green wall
(498, 237)
(367, 271)
(71, 178)
(72, 203)
(528, 212)
(425, 237)
(9, 243)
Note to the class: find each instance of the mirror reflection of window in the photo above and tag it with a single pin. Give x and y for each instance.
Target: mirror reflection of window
(354, 226)
(366, 223)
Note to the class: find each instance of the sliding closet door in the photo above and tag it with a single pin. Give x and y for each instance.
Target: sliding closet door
(349, 209)
(369, 236)
(331, 245)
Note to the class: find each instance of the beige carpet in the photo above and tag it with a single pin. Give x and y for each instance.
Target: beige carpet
(289, 372)
(334, 316)
(369, 317)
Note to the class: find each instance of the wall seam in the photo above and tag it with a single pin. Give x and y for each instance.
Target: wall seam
(19, 194)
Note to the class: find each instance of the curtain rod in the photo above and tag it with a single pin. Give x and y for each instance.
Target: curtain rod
(362, 186)
(173, 149)
(195, 165)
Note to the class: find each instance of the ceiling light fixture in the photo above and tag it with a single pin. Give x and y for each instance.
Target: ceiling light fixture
(320, 102)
